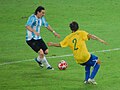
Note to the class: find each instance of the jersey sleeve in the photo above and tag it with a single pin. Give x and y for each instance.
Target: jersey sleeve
(44, 22)
(84, 35)
(30, 21)
(64, 43)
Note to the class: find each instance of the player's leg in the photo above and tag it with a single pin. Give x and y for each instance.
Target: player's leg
(95, 69)
(94, 72)
(43, 59)
(87, 74)
(38, 46)
(34, 45)
(45, 51)
(38, 59)
(87, 71)
(96, 65)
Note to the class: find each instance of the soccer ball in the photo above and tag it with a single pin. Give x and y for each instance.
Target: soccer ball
(62, 65)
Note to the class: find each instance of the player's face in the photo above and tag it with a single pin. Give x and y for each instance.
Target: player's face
(40, 14)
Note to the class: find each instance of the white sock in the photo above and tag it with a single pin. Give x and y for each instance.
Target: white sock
(38, 59)
(44, 61)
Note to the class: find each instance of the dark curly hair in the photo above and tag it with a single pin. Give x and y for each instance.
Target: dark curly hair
(74, 26)
(40, 8)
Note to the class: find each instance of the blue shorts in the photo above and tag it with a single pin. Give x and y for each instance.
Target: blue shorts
(92, 61)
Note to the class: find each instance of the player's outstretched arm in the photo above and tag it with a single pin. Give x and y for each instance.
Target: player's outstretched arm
(55, 33)
(97, 38)
(53, 44)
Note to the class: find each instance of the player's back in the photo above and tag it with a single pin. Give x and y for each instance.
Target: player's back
(77, 43)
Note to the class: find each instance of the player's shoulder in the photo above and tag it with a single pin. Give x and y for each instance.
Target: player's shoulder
(43, 18)
(32, 16)
(82, 32)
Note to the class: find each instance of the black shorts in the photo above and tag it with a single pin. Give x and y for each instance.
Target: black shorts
(36, 45)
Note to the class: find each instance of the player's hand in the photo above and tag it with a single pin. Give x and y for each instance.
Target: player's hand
(56, 35)
(36, 33)
(104, 42)
(49, 43)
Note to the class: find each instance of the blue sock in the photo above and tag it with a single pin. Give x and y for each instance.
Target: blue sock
(87, 72)
(95, 70)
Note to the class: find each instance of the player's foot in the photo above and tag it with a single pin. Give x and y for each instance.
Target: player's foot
(92, 81)
(50, 68)
(40, 64)
(86, 82)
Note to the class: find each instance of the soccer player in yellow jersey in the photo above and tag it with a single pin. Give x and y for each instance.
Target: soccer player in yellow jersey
(76, 42)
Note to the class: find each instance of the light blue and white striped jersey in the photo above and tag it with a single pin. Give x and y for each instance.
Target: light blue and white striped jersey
(35, 24)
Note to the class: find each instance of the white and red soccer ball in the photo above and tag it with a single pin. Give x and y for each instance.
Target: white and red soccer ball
(62, 65)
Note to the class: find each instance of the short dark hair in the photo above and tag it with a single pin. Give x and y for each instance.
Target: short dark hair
(40, 8)
(74, 26)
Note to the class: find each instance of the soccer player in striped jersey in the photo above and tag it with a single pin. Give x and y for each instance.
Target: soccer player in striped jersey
(76, 42)
(34, 39)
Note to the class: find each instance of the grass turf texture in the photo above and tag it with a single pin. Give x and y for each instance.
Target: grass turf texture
(97, 17)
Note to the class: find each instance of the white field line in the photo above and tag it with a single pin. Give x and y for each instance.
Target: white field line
(68, 55)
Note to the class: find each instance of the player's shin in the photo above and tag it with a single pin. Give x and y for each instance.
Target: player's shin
(87, 72)
(95, 70)
(45, 62)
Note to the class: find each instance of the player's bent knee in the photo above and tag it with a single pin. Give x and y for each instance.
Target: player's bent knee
(98, 62)
(41, 53)
(46, 52)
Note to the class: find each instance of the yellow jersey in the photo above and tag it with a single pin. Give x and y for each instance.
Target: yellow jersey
(76, 41)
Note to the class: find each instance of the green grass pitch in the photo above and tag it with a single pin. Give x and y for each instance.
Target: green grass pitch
(19, 71)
